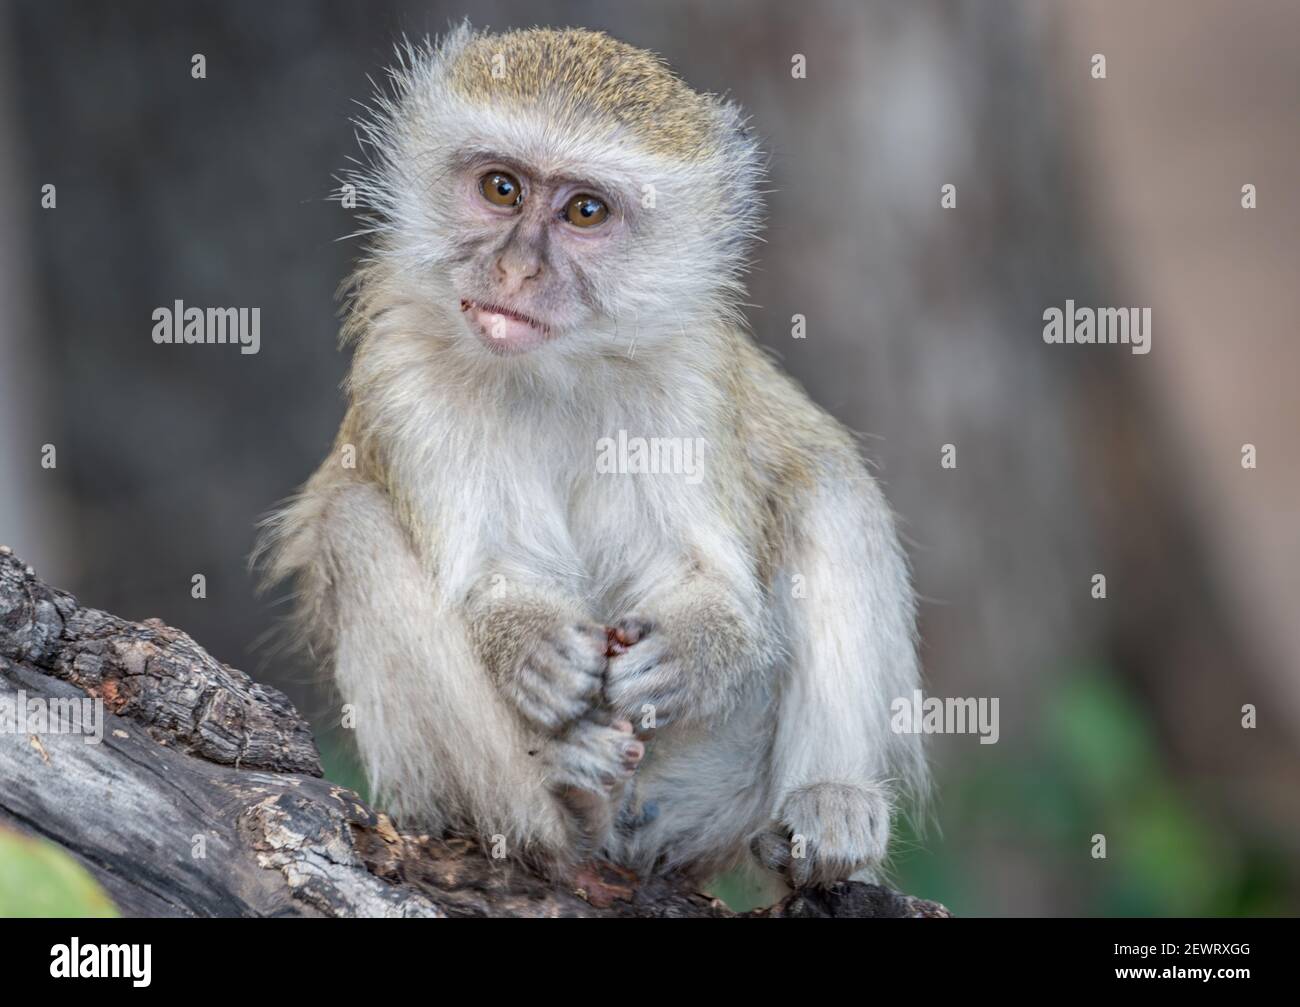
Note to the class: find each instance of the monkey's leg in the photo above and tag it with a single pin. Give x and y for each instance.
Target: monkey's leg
(837, 767)
(440, 742)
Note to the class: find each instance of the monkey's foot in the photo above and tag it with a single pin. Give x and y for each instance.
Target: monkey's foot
(827, 832)
(590, 767)
(595, 757)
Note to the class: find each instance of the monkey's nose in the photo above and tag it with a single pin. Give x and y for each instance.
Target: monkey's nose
(514, 272)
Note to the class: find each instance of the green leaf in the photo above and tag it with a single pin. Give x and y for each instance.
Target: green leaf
(39, 879)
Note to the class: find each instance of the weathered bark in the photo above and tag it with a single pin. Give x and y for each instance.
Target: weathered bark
(204, 796)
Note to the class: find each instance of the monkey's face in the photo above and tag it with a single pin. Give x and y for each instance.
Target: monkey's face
(528, 249)
(549, 246)
(553, 221)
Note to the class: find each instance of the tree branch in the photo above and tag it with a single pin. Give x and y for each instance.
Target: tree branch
(204, 796)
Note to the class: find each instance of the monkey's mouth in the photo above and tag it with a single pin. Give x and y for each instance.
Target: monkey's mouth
(504, 330)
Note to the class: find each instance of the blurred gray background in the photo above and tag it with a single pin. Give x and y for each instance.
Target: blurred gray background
(1119, 716)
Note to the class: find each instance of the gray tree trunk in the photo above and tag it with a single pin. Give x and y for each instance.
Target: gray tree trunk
(204, 796)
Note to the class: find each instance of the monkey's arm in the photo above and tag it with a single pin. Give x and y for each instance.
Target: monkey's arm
(838, 768)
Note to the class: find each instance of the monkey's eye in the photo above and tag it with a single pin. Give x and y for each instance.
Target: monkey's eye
(501, 189)
(585, 211)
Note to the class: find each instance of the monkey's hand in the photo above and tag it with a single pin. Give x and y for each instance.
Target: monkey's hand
(826, 833)
(645, 681)
(691, 659)
(547, 659)
(557, 677)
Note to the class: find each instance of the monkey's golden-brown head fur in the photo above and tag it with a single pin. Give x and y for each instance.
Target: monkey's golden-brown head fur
(554, 194)
(586, 77)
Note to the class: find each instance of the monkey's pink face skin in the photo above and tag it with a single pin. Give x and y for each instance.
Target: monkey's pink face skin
(528, 252)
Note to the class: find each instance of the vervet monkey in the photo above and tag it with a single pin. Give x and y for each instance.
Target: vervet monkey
(670, 669)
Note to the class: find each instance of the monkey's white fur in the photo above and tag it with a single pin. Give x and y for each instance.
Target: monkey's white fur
(779, 600)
